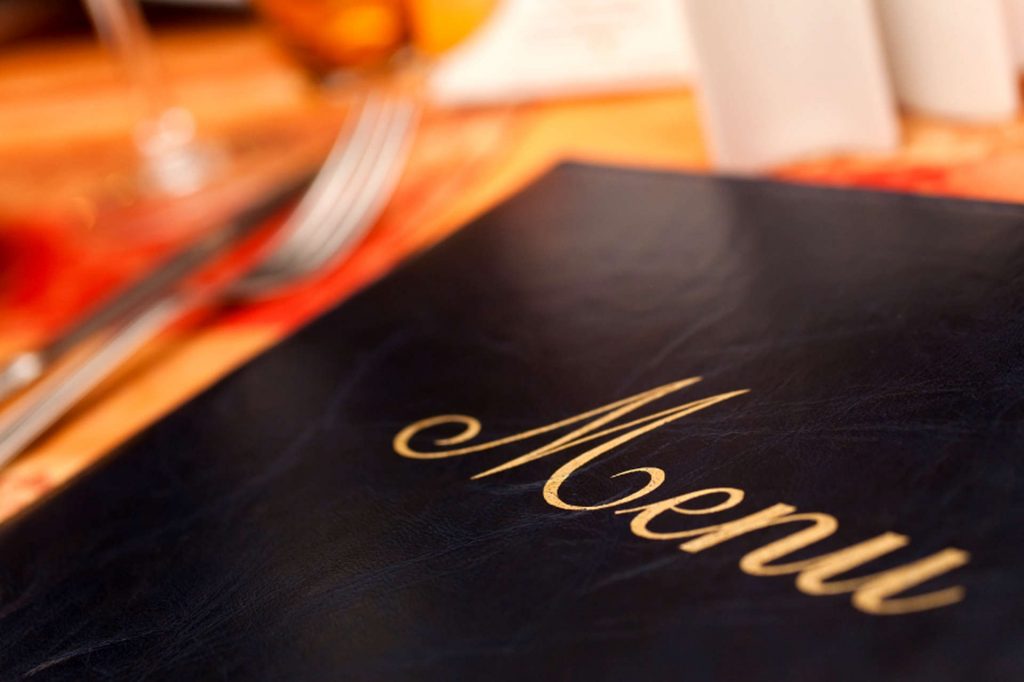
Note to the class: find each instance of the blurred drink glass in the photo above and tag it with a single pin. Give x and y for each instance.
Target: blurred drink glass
(340, 35)
(173, 161)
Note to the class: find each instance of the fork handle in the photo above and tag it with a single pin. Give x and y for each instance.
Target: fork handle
(31, 415)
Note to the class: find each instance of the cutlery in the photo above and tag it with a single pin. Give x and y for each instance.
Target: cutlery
(27, 366)
(343, 201)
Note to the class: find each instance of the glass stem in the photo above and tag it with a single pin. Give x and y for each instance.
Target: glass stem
(172, 161)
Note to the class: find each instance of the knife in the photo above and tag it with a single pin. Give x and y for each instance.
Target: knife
(27, 366)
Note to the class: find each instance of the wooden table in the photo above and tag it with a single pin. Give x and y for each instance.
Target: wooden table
(64, 138)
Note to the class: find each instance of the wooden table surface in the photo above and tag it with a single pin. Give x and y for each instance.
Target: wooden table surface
(64, 140)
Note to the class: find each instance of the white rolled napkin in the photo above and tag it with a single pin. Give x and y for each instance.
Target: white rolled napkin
(1015, 19)
(782, 79)
(952, 58)
(536, 49)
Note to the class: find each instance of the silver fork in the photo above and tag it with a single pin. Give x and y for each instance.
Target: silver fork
(343, 202)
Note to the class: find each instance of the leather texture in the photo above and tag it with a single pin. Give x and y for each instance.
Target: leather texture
(268, 531)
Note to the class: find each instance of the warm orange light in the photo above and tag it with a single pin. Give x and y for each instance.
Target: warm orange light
(334, 33)
(439, 25)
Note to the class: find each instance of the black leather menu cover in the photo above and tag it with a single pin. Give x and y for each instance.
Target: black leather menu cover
(729, 429)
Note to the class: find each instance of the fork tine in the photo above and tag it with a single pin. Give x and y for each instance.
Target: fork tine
(345, 200)
(327, 205)
(317, 202)
(340, 194)
(341, 162)
(382, 178)
(376, 176)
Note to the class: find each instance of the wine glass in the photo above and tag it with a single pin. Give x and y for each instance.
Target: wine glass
(172, 160)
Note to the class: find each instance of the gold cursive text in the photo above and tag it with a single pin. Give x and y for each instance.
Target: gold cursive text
(875, 593)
